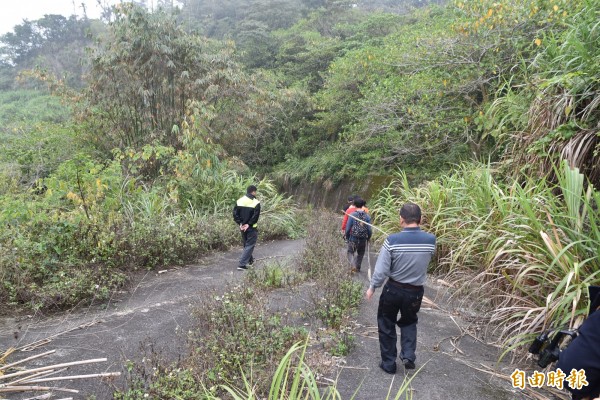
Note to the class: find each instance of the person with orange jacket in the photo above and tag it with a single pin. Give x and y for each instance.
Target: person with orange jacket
(352, 208)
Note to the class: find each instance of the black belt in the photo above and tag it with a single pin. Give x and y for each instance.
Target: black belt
(404, 285)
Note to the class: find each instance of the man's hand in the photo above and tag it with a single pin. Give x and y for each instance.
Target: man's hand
(244, 227)
(369, 293)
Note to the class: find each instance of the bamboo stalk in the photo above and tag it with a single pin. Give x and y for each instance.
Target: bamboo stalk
(16, 389)
(347, 367)
(26, 378)
(96, 360)
(38, 375)
(35, 345)
(6, 354)
(64, 378)
(26, 359)
(40, 397)
(39, 343)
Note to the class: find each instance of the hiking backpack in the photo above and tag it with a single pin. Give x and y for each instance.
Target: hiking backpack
(359, 228)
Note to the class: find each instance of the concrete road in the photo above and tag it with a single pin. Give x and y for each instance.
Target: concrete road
(155, 312)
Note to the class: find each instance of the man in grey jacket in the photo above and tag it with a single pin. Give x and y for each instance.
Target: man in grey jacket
(403, 259)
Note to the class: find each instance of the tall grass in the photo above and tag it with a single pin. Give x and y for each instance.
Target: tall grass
(527, 249)
(294, 380)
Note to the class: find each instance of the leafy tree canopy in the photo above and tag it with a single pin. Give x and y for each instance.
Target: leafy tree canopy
(147, 70)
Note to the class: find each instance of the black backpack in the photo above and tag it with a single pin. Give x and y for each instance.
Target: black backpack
(359, 229)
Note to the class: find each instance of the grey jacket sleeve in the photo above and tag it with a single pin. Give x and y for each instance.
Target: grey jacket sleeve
(382, 267)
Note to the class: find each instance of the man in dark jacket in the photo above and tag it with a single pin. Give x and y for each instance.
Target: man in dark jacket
(403, 259)
(245, 214)
(584, 352)
(358, 234)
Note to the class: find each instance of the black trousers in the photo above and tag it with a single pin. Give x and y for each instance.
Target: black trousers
(357, 247)
(249, 238)
(407, 302)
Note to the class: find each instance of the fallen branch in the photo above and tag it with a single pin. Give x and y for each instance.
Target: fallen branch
(345, 367)
(39, 343)
(6, 354)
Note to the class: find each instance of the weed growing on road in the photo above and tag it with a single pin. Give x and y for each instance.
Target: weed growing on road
(337, 295)
(235, 331)
(343, 343)
(152, 378)
(337, 302)
(292, 379)
(274, 275)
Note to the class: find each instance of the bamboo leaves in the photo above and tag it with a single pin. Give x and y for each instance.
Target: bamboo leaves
(146, 72)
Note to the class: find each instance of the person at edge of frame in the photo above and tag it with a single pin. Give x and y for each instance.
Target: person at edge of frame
(403, 259)
(358, 236)
(246, 213)
(583, 353)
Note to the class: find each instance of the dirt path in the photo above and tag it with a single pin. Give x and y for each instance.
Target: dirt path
(156, 312)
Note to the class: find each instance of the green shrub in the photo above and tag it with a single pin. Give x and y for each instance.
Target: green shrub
(337, 302)
(235, 332)
(343, 343)
(337, 296)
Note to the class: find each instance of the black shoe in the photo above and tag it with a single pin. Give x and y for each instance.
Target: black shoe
(408, 364)
(242, 268)
(385, 370)
(251, 262)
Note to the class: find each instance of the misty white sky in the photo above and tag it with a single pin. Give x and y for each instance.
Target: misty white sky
(12, 12)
